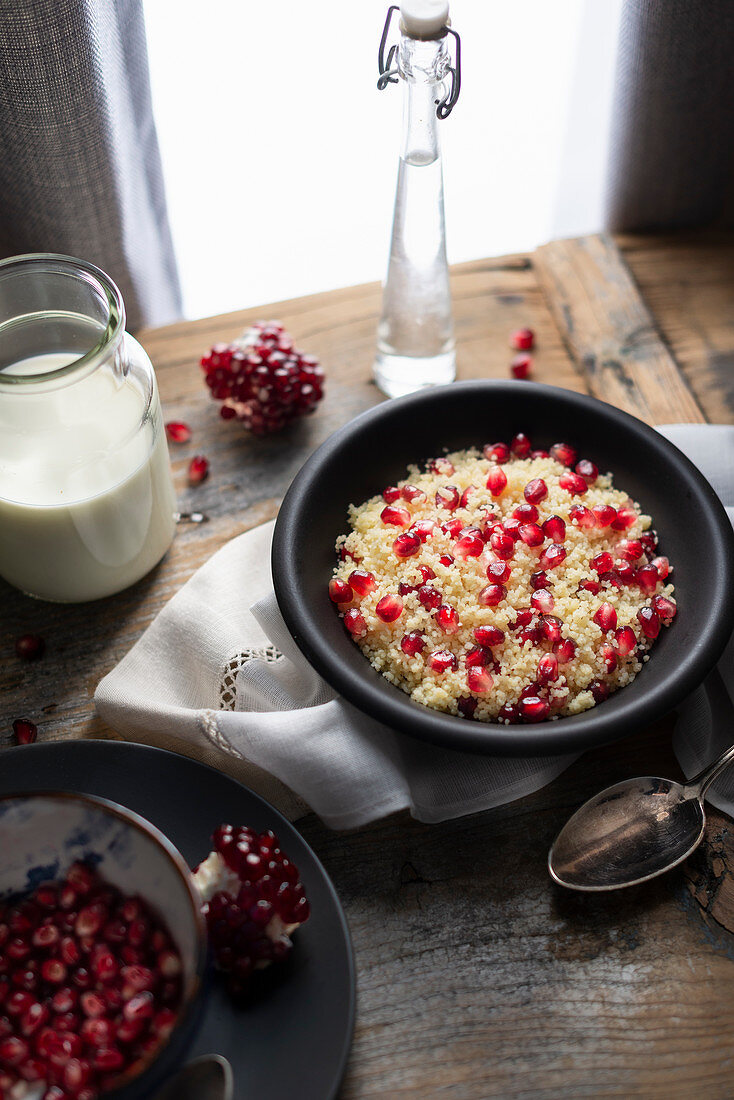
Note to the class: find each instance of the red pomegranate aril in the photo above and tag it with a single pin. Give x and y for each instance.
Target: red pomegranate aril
(426, 573)
(520, 445)
(91, 918)
(423, 528)
(565, 650)
(539, 454)
(606, 617)
(108, 1060)
(406, 545)
(531, 534)
(65, 1000)
(469, 546)
(662, 566)
(412, 644)
(479, 680)
(625, 572)
(625, 641)
(13, 1051)
(554, 529)
(465, 496)
(177, 431)
(491, 595)
(604, 515)
(396, 517)
(510, 527)
(441, 466)
(547, 668)
(533, 709)
(70, 952)
(77, 1073)
(587, 470)
(496, 452)
(389, 608)
(665, 608)
(526, 513)
(563, 453)
(198, 470)
(466, 707)
(448, 619)
(552, 556)
(521, 366)
(647, 579)
(625, 518)
(649, 621)
(535, 491)
(539, 579)
(572, 483)
(46, 936)
(602, 563)
(139, 1007)
(391, 494)
(448, 497)
(441, 660)
(600, 690)
(412, 493)
(542, 600)
(340, 591)
(361, 582)
(488, 635)
(509, 714)
(503, 545)
(522, 338)
(523, 618)
(97, 1032)
(496, 481)
(498, 572)
(29, 647)
(478, 657)
(92, 1004)
(582, 516)
(608, 657)
(590, 586)
(24, 731)
(452, 528)
(54, 971)
(629, 549)
(429, 597)
(355, 623)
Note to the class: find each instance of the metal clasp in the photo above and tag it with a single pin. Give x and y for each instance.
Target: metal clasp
(388, 75)
(389, 72)
(445, 106)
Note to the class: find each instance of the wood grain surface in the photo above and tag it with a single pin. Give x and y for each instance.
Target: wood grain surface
(477, 978)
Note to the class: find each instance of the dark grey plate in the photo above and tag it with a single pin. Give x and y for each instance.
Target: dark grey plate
(294, 1040)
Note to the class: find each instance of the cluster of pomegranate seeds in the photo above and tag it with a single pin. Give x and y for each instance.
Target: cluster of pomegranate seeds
(262, 380)
(198, 470)
(24, 731)
(250, 931)
(90, 986)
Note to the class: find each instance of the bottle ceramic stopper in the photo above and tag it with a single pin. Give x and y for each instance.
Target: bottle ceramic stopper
(424, 19)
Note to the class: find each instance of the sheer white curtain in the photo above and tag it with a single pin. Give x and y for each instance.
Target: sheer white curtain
(280, 154)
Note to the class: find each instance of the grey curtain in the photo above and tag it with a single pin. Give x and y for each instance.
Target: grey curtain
(672, 153)
(80, 169)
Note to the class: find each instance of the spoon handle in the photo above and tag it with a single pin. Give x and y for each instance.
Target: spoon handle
(721, 707)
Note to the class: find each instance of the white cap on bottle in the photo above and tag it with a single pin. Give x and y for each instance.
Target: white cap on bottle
(424, 18)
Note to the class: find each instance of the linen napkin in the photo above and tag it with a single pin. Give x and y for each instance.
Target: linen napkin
(217, 676)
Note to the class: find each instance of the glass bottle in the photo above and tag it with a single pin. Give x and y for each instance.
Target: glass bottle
(415, 336)
(86, 499)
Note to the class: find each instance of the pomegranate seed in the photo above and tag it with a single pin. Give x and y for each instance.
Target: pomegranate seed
(64, 1000)
(446, 560)
(389, 608)
(647, 579)
(572, 483)
(479, 680)
(604, 514)
(108, 1060)
(412, 644)
(177, 431)
(340, 591)
(625, 641)
(520, 445)
(552, 556)
(489, 635)
(412, 494)
(97, 1032)
(510, 527)
(542, 600)
(441, 466)
(406, 545)
(554, 529)
(608, 656)
(524, 617)
(547, 668)
(469, 545)
(13, 1051)
(139, 1007)
(478, 657)
(630, 549)
(90, 920)
(662, 565)
(470, 489)
(198, 470)
(448, 497)
(535, 491)
(452, 528)
(602, 563)
(625, 518)
(526, 513)
(498, 572)
(441, 660)
(606, 617)
(491, 595)
(77, 1072)
(539, 579)
(93, 1004)
(521, 366)
(565, 650)
(25, 731)
(29, 647)
(522, 338)
(649, 621)
(466, 707)
(563, 453)
(509, 714)
(397, 517)
(362, 582)
(582, 516)
(423, 528)
(591, 586)
(531, 534)
(665, 608)
(429, 597)
(426, 573)
(46, 936)
(496, 452)
(405, 589)
(503, 545)
(391, 494)
(587, 470)
(354, 622)
(533, 709)
(447, 619)
(70, 952)
(599, 690)
(496, 481)
(539, 454)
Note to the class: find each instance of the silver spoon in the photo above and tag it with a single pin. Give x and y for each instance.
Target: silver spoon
(633, 831)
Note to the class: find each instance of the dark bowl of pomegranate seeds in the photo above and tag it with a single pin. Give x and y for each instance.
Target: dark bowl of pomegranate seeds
(102, 949)
(691, 538)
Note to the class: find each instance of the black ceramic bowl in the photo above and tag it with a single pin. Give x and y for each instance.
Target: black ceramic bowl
(374, 450)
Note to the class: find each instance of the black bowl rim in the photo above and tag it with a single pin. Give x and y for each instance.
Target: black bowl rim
(574, 733)
(193, 994)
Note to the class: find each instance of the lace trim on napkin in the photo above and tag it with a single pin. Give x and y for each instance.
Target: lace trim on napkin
(228, 682)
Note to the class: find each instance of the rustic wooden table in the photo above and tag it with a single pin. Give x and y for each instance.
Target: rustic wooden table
(477, 978)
